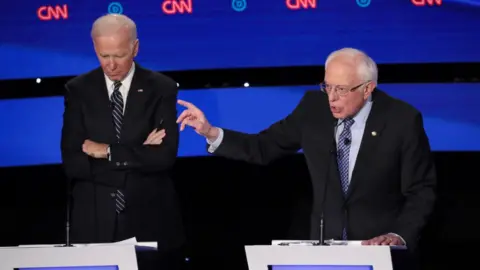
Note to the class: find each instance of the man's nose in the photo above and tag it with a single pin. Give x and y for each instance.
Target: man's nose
(112, 65)
(332, 95)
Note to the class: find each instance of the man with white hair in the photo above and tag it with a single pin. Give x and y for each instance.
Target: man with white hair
(119, 144)
(369, 158)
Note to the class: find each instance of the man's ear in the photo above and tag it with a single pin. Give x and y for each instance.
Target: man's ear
(369, 89)
(136, 44)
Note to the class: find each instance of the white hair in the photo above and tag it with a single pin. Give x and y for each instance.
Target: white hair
(112, 24)
(367, 68)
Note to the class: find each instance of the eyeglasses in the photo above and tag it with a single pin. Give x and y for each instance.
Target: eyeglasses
(339, 89)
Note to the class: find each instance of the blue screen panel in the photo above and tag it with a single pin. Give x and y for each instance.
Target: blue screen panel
(321, 267)
(31, 133)
(102, 267)
(52, 38)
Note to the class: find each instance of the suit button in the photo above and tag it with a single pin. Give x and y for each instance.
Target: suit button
(112, 195)
(125, 163)
(118, 163)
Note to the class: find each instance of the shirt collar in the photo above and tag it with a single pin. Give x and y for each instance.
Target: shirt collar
(362, 115)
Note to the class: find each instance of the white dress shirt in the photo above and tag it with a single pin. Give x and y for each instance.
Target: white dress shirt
(124, 88)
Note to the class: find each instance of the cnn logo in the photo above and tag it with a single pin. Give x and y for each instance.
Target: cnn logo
(171, 7)
(422, 3)
(301, 4)
(48, 13)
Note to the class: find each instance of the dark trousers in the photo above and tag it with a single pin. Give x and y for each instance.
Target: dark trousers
(151, 260)
(161, 260)
(405, 260)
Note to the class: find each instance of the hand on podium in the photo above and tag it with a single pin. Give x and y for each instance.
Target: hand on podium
(389, 239)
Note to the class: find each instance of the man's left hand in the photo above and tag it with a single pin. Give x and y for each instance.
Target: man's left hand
(94, 149)
(384, 240)
(155, 137)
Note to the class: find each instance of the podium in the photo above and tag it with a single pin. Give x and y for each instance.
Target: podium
(318, 257)
(96, 257)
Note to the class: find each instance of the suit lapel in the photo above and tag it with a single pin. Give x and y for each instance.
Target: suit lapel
(373, 130)
(137, 97)
(104, 104)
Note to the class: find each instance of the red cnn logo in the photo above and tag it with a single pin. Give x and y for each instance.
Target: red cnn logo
(48, 13)
(301, 4)
(422, 3)
(171, 7)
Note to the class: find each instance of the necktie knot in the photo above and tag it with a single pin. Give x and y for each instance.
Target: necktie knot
(116, 85)
(348, 122)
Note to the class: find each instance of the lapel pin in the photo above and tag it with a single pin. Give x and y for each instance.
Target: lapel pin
(374, 133)
(140, 90)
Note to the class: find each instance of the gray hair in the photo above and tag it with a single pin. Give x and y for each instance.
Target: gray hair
(367, 68)
(111, 24)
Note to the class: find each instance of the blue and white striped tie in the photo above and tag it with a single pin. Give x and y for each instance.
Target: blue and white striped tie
(119, 202)
(343, 158)
(117, 113)
(117, 104)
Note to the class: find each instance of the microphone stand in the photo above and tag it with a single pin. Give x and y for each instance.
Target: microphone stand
(333, 152)
(322, 237)
(67, 214)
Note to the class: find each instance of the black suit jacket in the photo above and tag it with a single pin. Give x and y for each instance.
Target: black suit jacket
(141, 171)
(393, 182)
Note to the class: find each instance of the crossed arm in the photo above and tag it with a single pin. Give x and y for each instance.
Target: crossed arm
(158, 152)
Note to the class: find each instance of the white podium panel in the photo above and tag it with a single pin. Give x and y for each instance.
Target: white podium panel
(319, 257)
(105, 257)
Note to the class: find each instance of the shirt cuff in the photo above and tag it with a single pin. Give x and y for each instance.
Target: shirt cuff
(108, 154)
(215, 144)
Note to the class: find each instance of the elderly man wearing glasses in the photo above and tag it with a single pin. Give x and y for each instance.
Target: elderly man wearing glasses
(372, 173)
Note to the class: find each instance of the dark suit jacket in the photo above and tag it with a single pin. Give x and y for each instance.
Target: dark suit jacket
(392, 186)
(141, 171)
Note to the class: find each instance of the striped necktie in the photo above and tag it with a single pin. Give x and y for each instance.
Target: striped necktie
(343, 158)
(117, 104)
(117, 113)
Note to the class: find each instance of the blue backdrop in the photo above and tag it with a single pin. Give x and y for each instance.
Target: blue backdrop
(238, 33)
(31, 127)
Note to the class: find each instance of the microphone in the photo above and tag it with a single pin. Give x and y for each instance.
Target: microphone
(333, 153)
(346, 141)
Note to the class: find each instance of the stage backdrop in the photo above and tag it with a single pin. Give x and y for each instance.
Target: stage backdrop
(31, 127)
(52, 38)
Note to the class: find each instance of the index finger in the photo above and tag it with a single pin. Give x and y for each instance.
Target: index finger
(152, 132)
(161, 131)
(187, 104)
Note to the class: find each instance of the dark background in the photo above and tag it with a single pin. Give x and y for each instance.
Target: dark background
(229, 204)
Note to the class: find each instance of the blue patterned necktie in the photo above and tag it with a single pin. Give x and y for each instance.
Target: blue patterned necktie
(117, 113)
(117, 104)
(343, 158)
